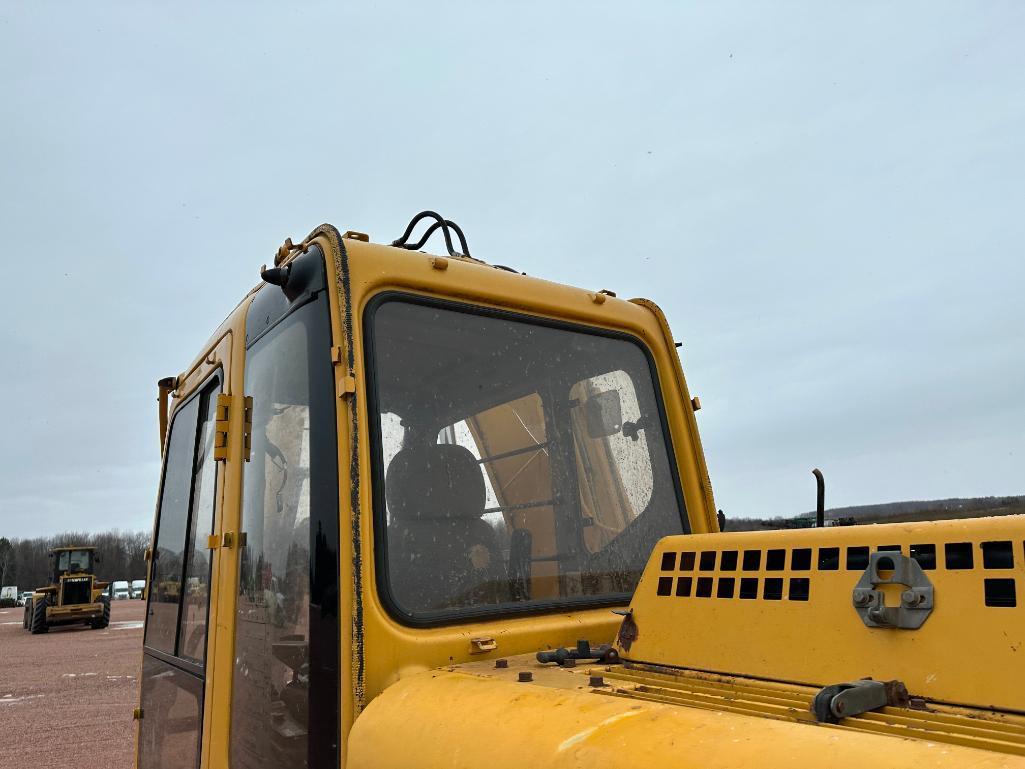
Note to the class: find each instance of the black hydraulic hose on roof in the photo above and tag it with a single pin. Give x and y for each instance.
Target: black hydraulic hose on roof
(439, 223)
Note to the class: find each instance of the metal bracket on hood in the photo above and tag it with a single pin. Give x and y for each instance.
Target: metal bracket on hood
(852, 699)
(916, 602)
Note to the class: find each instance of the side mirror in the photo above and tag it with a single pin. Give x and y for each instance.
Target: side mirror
(603, 413)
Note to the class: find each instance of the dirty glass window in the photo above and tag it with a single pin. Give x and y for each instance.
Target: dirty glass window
(286, 658)
(169, 549)
(172, 701)
(518, 464)
(615, 468)
(180, 571)
(175, 636)
(196, 598)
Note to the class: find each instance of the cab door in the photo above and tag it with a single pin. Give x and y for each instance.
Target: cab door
(180, 625)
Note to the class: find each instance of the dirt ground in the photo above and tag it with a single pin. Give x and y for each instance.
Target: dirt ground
(66, 697)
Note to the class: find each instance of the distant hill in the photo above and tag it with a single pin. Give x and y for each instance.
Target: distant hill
(890, 512)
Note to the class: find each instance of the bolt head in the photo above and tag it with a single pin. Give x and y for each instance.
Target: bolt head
(501, 664)
(525, 677)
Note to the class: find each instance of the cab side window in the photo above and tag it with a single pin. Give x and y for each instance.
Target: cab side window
(169, 550)
(174, 647)
(180, 574)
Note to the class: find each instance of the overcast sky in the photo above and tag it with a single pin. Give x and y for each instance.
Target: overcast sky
(827, 199)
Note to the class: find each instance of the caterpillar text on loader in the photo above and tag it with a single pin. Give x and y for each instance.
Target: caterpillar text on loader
(422, 511)
(74, 595)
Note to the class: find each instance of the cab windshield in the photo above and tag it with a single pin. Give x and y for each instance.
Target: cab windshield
(518, 465)
(74, 560)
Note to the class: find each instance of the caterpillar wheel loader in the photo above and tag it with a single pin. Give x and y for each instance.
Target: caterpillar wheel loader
(74, 595)
(417, 510)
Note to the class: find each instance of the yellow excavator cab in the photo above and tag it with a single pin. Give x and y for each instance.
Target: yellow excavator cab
(424, 511)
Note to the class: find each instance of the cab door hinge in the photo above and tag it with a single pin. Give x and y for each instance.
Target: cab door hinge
(222, 421)
(346, 385)
(226, 540)
(247, 428)
(346, 382)
(222, 417)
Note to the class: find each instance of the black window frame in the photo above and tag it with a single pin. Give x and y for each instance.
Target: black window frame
(467, 615)
(186, 665)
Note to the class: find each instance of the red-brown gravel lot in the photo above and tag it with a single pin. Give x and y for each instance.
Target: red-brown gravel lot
(66, 697)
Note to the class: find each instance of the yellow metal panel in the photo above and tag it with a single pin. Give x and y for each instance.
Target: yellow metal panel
(967, 652)
(968, 727)
(500, 723)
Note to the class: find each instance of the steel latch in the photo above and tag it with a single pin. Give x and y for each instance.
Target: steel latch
(482, 645)
(916, 601)
(852, 699)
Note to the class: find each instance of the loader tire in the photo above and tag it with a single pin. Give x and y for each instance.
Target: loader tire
(38, 622)
(27, 614)
(100, 624)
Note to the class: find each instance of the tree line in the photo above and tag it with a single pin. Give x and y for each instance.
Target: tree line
(890, 512)
(25, 562)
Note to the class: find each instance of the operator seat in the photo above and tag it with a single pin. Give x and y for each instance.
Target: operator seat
(440, 553)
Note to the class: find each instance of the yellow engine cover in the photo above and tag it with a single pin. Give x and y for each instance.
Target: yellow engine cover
(781, 605)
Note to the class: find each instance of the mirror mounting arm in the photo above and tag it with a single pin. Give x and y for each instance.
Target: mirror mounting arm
(165, 386)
